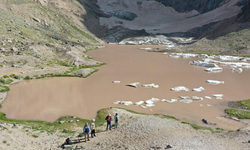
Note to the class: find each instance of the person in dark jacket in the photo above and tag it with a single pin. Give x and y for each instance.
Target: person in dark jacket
(109, 119)
(86, 131)
(116, 118)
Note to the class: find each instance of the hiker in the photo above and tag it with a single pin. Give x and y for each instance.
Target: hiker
(109, 119)
(86, 131)
(92, 126)
(116, 118)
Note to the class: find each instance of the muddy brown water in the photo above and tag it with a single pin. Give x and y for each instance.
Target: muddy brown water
(48, 99)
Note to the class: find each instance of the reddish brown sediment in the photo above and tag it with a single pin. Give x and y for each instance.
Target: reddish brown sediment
(48, 99)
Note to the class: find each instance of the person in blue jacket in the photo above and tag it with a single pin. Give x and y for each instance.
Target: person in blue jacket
(86, 131)
(116, 118)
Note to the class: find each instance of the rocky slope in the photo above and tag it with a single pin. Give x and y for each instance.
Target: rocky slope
(41, 36)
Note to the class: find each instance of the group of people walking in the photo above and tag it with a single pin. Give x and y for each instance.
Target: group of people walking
(91, 129)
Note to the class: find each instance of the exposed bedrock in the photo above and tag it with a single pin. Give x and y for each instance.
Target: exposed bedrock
(175, 18)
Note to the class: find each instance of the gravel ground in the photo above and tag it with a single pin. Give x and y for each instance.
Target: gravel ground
(135, 132)
(150, 132)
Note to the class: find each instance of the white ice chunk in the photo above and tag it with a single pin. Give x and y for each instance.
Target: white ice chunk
(149, 102)
(172, 101)
(209, 105)
(143, 106)
(152, 85)
(208, 97)
(215, 82)
(201, 105)
(186, 100)
(150, 105)
(214, 69)
(198, 89)
(126, 103)
(135, 84)
(218, 96)
(116, 81)
(117, 102)
(240, 70)
(174, 56)
(148, 48)
(139, 103)
(184, 97)
(180, 88)
(197, 98)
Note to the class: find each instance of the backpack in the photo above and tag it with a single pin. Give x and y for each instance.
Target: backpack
(87, 130)
(68, 142)
(116, 118)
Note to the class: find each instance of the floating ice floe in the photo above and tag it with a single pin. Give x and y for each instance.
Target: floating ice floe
(197, 98)
(201, 105)
(150, 105)
(209, 105)
(203, 64)
(208, 97)
(214, 69)
(152, 85)
(179, 88)
(150, 109)
(186, 101)
(218, 96)
(116, 81)
(215, 82)
(184, 97)
(139, 103)
(143, 106)
(235, 64)
(134, 84)
(126, 103)
(198, 89)
(117, 102)
(230, 58)
(186, 55)
(174, 56)
(123, 102)
(171, 101)
(240, 70)
(148, 48)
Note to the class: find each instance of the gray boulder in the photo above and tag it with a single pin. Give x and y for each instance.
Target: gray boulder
(83, 72)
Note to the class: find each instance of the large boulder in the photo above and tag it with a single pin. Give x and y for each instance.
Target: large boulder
(78, 61)
(83, 72)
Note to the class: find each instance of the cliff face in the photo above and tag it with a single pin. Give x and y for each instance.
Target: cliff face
(244, 16)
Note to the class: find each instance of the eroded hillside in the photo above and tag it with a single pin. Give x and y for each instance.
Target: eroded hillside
(42, 36)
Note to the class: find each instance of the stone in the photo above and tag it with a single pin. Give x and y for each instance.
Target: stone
(168, 146)
(14, 49)
(205, 121)
(61, 122)
(83, 72)
(37, 20)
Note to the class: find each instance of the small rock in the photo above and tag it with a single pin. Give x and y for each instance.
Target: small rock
(61, 122)
(168, 146)
(205, 121)
(14, 49)
(37, 20)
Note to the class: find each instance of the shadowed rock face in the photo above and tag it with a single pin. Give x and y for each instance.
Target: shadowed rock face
(244, 16)
(185, 18)
(201, 6)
